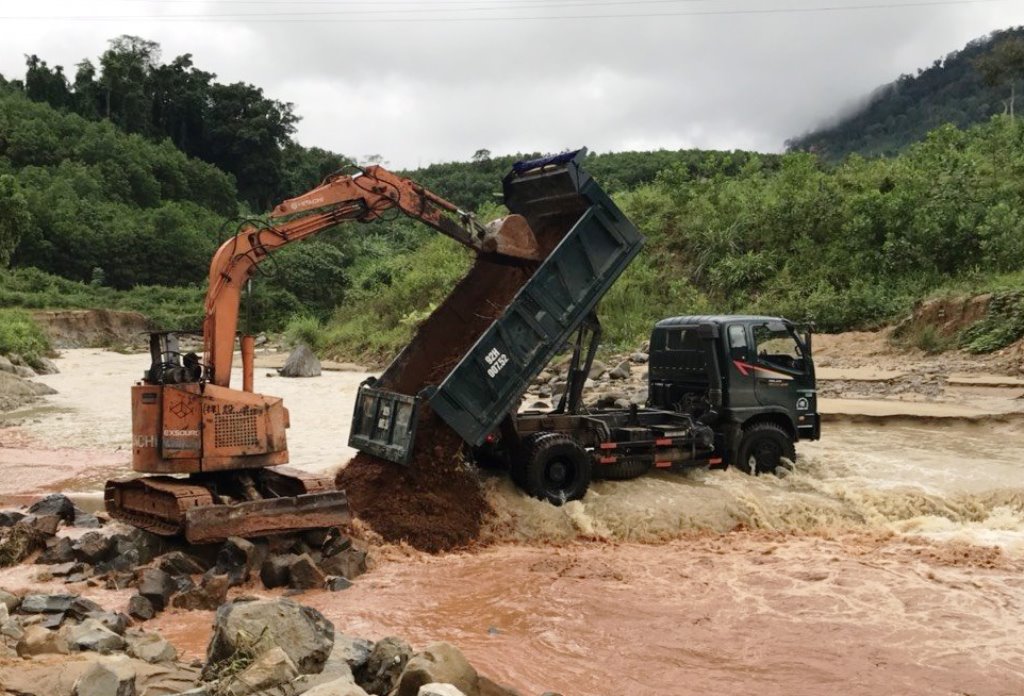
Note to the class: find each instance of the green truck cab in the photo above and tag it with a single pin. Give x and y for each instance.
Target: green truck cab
(751, 378)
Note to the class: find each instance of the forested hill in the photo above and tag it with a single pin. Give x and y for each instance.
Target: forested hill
(952, 90)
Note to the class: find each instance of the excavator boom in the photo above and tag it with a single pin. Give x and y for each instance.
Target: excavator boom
(218, 451)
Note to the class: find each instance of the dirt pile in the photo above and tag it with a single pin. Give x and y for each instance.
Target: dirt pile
(437, 503)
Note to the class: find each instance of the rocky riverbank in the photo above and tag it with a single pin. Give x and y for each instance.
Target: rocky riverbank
(257, 646)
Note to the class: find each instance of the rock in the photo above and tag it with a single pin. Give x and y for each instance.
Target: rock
(156, 586)
(183, 583)
(6, 365)
(45, 366)
(385, 664)
(141, 544)
(271, 668)
(45, 525)
(112, 677)
(85, 520)
(37, 640)
(349, 564)
(438, 663)
(339, 687)
(63, 570)
(9, 518)
(93, 635)
(623, 403)
(439, 690)
(46, 604)
(302, 632)
(304, 575)
(638, 358)
(141, 608)
(9, 600)
(12, 629)
(354, 651)
(82, 608)
(24, 371)
(180, 563)
(338, 584)
(210, 594)
(302, 362)
(54, 504)
(275, 570)
(58, 550)
(113, 620)
(150, 647)
(238, 559)
(621, 371)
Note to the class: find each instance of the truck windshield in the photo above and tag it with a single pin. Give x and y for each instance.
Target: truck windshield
(777, 345)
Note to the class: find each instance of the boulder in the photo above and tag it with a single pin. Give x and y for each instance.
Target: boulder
(85, 520)
(301, 631)
(45, 366)
(238, 559)
(638, 358)
(150, 647)
(270, 669)
(58, 550)
(156, 586)
(338, 584)
(6, 365)
(9, 518)
(9, 600)
(349, 564)
(112, 620)
(354, 651)
(82, 608)
(24, 371)
(210, 594)
(275, 570)
(40, 524)
(54, 504)
(141, 608)
(37, 640)
(385, 664)
(94, 636)
(304, 575)
(140, 545)
(180, 563)
(111, 677)
(302, 362)
(439, 690)
(46, 603)
(438, 663)
(621, 371)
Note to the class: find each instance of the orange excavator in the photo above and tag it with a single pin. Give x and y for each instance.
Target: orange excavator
(217, 452)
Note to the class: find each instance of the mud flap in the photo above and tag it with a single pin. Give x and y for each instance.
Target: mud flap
(256, 518)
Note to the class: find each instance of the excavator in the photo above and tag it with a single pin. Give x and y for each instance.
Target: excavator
(215, 455)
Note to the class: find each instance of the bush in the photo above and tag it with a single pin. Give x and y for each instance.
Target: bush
(305, 329)
(19, 333)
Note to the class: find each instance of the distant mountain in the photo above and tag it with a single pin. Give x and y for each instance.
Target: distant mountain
(904, 111)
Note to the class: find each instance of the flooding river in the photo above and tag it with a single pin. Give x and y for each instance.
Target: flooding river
(889, 561)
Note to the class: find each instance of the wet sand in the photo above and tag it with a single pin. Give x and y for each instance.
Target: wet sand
(888, 561)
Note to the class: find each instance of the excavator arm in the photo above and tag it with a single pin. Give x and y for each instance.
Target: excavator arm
(363, 197)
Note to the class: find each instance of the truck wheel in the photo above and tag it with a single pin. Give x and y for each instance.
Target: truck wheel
(555, 468)
(762, 449)
(622, 471)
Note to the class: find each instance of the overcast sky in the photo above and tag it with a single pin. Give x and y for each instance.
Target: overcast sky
(422, 81)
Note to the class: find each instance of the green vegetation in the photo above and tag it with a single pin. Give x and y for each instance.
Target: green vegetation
(20, 334)
(1002, 325)
(967, 87)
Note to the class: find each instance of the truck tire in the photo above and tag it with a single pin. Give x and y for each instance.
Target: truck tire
(622, 471)
(554, 467)
(762, 449)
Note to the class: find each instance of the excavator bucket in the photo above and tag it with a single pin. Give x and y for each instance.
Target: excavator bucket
(511, 236)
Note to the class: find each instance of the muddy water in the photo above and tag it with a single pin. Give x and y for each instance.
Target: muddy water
(888, 561)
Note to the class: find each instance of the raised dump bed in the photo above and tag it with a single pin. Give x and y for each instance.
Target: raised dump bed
(585, 241)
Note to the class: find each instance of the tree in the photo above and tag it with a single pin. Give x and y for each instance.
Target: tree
(46, 85)
(14, 217)
(126, 66)
(481, 155)
(1003, 65)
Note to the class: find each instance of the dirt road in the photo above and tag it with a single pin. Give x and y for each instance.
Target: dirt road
(889, 561)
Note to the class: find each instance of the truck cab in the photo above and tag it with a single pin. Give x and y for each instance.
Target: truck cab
(751, 378)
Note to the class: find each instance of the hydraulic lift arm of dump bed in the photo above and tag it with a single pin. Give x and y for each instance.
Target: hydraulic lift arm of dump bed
(186, 420)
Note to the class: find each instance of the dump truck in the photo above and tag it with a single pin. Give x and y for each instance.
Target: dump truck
(723, 390)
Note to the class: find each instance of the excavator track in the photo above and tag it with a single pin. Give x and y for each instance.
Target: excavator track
(208, 509)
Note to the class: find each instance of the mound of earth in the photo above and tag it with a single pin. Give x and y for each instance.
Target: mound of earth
(92, 328)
